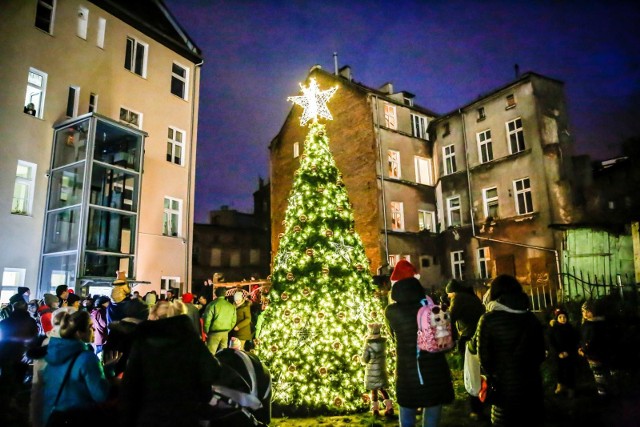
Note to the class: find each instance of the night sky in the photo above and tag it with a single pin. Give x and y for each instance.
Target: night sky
(445, 52)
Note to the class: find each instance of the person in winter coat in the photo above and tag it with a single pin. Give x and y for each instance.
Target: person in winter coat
(595, 344)
(99, 317)
(86, 384)
(437, 390)
(242, 329)
(152, 395)
(219, 319)
(510, 343)
(374, 357)
(564, 339)
(465, 311)
(192, 312)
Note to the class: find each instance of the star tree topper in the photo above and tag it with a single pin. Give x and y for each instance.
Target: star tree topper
(314, 102)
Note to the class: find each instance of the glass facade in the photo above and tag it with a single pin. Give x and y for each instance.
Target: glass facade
(92, 203)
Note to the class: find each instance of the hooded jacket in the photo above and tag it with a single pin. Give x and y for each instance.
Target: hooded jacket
(219, 316)
(402, 318)
(86, 384)
(243, 321)
(374, 355)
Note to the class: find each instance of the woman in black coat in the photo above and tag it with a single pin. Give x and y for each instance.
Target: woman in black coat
(437, 388)
(510, 342)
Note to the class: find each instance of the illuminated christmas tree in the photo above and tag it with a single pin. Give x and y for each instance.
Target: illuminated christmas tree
(322, 297)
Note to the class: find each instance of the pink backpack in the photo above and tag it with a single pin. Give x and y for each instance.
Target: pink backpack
(434, 329)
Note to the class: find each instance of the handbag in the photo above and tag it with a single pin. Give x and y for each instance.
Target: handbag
(472, 377)
(69, 417)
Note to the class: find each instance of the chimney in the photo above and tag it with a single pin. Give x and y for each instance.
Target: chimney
(345, 72)
(335, 63)
(387, 88)
(517, 68)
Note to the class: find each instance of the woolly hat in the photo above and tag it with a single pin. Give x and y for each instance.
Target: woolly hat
(187, 298)
(558, 311)
(50, 299)
(403, 270)
(453, 286)
(238, 297)
(23, 290)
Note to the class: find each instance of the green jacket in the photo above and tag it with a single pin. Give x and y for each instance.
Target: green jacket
(219, 316)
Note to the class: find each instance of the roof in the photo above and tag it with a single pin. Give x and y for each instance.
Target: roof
(153, 18)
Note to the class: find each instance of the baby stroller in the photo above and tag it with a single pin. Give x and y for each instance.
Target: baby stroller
(242, 396)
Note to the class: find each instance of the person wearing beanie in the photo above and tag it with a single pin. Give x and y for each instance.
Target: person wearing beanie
(374, 357)
(192, 312)
(563, 340)
(242, 329)
(465, 311)
(595, 345)
(25, 292)
(218, 319)
(403, 270)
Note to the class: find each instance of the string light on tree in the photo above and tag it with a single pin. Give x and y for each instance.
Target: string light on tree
(322, 293)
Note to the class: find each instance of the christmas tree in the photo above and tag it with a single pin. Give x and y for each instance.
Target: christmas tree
(322, 296)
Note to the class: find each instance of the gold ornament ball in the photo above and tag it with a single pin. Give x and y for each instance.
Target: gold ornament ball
(359, 267)
(328, 233)
(297, 228)
(292, 368)
(303, 218)
(337, 345)
(325, 271)
(321, 315)
(323, 371)
(274, 348)
(290, 276)
(284, 296)
(306, 292)
(280, 235)
(309, 252)
(337, 401)
(287, 313)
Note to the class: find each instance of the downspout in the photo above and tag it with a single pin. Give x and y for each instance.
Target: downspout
(382, 188)
(192, 162)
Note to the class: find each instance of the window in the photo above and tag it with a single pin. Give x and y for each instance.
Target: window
(511, 101)
(449, 156)
(397, 216)
(490, 202)
(393, 259)
(446, 129)
(24, 188)
(453, 211)
(169, 284)
(172, 220)
(179, 79)
(481, 114)
(131, 117)
(524, 204)
(393, 158)
(36, 89)
(485, 147)
(216, 257)
(102, 26)
(457, 265)
(515, 135)
(136, 57)
(45, 10)
(83, 21)
(234, 258)
(483, 263)
(419, 126)
(254, 256)
(72, 101)
(12, 278)
(296, 149)
(93, 102)
(407, 101)
(175, 146)
(427, 220)
(424, 170)
(390, 120)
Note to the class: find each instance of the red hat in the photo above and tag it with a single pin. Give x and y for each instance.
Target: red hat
(403, 270)
(187, 298)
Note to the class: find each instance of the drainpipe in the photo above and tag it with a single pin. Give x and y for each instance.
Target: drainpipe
(192, 161)
(382, 189)
(473, 228)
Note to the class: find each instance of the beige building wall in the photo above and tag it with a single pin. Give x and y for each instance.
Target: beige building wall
(70, 60)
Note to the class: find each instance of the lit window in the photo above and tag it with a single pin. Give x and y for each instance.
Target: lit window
(179, 80)
(136, 57)
(393, 158)
(485, 147)
(101, 29)
(73, 99)
(296, 150)
(426, 220)
(83, 21)
(419, 126)
(393, 259)
(169, 284)
(234, 258)
(449, 158)
(457, 265)
(453, 211)
(216, 257)
(175, 146)
(45, 10)
(424, 173)
(397, 216)
(484, 257)
(490, 202)
(36, 89)
(23, 189)
(12, 278)
(515, 135)
(481, 114)
(390, 119)
(131, 117)
(511, 101)
(254, 256)
(524, 203)
(172, 220)
(93, 103)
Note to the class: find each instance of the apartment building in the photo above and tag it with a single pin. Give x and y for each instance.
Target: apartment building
(504, 168)
(99, 114)
(381, 146)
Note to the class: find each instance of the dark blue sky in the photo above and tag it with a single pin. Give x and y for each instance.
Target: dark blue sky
(445, 52)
